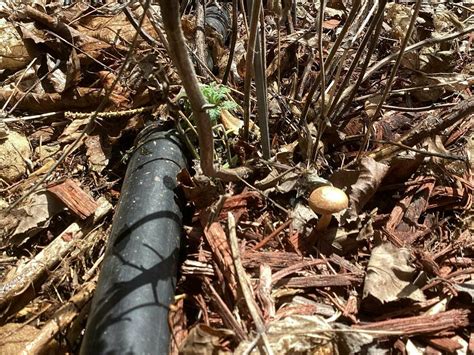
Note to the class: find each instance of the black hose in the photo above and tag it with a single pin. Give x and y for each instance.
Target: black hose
(129, 312)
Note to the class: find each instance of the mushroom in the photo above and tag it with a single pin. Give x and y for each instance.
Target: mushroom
(327, 200)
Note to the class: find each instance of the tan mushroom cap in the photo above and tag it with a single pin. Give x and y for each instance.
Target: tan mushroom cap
(328, 200)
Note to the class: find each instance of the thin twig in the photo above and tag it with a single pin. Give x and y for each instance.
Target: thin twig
(61, 319)
(420, 151)
(200, 37)
(414, 88)
(418, 109)
(249, 57)
(265, 196)
(18, 83)
(33, 86)
(145, 35)
(261, 89)
(244, 283)
(431, 125)
(272, 235)
(322, 118)
(233, 41)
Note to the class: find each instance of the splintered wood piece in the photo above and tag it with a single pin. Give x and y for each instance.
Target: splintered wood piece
(227, 316)
(320, 281)
(239, 204)
(217, 240)
(445, 344)
(76, 199)
(403, 221)
(409, 326)
(278, 260)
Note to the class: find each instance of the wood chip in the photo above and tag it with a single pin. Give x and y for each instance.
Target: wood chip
(74, 197)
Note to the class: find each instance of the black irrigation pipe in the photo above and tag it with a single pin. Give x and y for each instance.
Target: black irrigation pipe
(129, 312)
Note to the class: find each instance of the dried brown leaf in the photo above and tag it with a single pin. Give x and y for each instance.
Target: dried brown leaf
(390, 276)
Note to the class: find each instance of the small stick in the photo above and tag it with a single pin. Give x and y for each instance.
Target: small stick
(322, 76)
(266, 197)
(418, 109)
(373, 32)
(242, 9)
(413, 88)
(18, 83)
(330, 57)
(31, 88)
(420, 151)
(273, 234)
(428, 127)
(233, 40)
(261, 89)
(200, 37)
(145, 35)
(279, 51)
(249, 57)
(244, 283)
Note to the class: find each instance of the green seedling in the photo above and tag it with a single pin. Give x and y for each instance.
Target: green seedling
(217, 96)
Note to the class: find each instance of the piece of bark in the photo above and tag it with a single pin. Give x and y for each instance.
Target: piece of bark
(227, 317)
(320, 281)
(432, 351)
(264, 292)
(76, 199)
(424, 324)
(239, 204)
(217, 240)
(305, 309)
(444, 344)
(252, 259)
(295, 268)
(344, 263)
(198, 268)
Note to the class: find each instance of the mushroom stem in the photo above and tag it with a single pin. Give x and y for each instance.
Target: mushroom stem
(323, 222)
